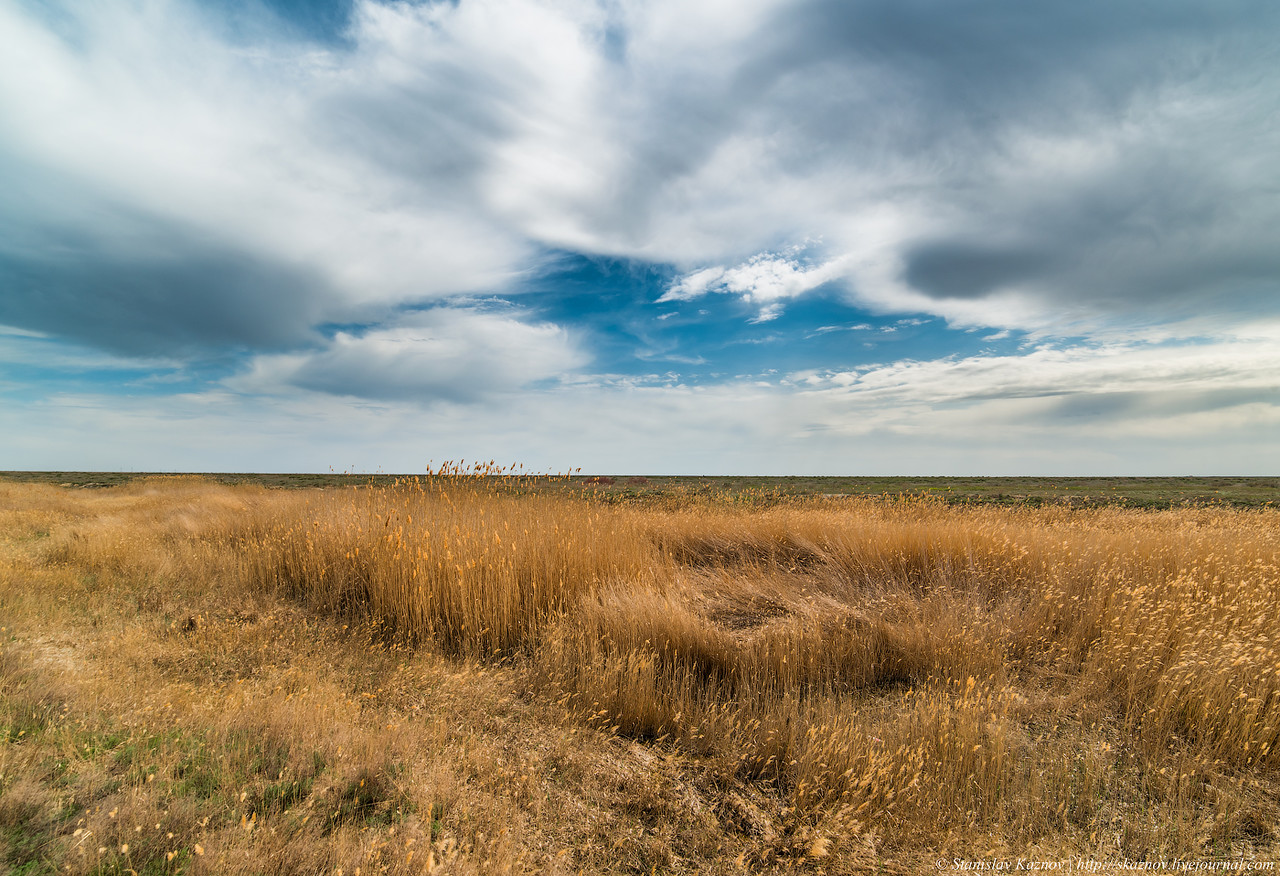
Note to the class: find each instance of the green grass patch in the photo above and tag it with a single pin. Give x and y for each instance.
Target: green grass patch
(370, 799)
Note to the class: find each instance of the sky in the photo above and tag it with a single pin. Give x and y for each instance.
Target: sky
(846, 237)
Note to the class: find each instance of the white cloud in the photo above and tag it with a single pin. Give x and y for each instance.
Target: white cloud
(1091, 374)
(694, 285)
(453, 354)
(766, 281)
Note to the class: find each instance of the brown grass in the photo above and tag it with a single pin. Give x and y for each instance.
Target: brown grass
(199, 678)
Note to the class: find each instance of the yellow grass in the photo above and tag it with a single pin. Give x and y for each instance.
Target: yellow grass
(494, 675)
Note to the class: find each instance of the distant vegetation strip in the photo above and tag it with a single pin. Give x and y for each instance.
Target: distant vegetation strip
(1141, 492)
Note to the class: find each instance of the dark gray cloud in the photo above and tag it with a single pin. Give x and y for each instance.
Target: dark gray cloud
(972, 58)
(1085, 157)
(1163, 214)
(432, 126)
(115, 276)
(963, 270)
(948, 82)
(1112, 407)
(188, 297)
(189, 302)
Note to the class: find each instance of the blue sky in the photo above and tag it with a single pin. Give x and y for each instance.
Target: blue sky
(829, 236)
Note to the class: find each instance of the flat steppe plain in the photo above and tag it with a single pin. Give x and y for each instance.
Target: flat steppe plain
(477, 673)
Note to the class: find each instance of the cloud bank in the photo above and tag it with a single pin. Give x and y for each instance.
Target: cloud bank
(310, 202)
(1074, 159)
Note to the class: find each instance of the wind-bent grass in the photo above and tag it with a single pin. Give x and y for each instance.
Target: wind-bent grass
(445, 559)
(874, 659)
(853, 678)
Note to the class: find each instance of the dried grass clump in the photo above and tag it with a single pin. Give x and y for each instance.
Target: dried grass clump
(470, 561)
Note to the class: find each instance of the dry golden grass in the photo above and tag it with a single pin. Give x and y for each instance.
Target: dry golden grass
(464, 674)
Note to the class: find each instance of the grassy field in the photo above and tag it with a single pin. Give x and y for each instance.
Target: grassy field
(456, 674)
